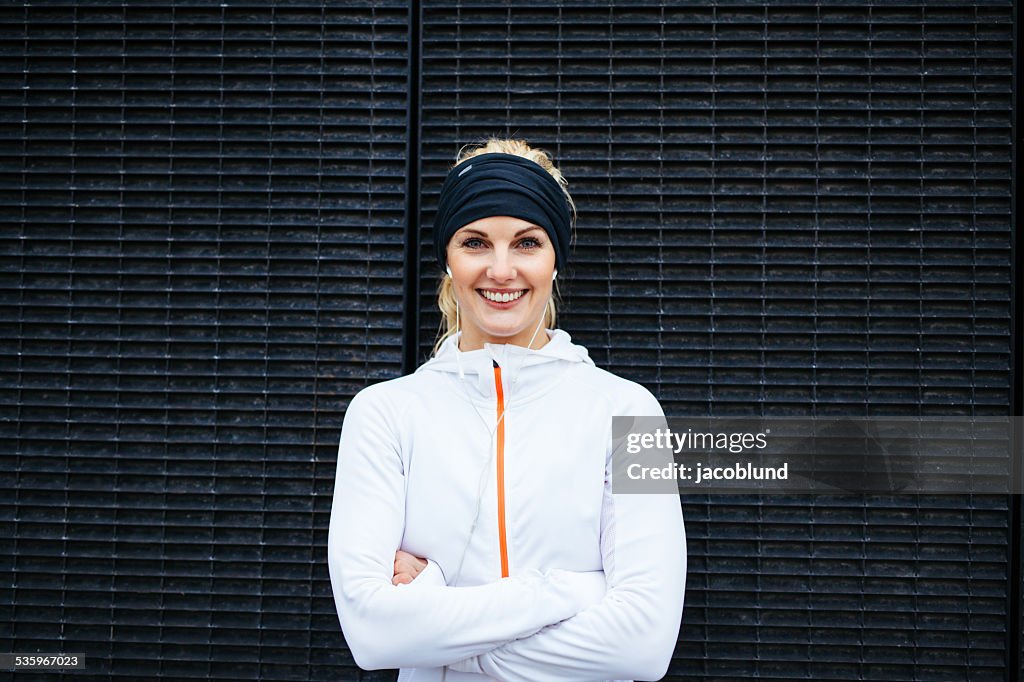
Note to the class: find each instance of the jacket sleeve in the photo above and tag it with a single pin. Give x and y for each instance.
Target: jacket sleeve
(632, 632)
(424, 623)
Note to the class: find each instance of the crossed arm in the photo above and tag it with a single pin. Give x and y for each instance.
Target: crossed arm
(559, 625)
(427, 625)
(631, 632)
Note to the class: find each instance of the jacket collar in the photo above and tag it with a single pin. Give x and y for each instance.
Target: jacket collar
(537, 369)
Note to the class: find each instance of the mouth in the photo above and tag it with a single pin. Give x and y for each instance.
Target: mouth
(502, 299)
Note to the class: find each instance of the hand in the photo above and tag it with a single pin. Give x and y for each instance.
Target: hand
(407, 567)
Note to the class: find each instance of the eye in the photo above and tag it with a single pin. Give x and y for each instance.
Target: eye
(472, 243)
(530, 243)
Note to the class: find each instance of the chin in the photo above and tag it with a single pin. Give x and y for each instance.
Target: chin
(502, 332)
(507, 331)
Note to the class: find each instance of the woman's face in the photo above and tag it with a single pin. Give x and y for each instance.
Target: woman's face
(501, 257)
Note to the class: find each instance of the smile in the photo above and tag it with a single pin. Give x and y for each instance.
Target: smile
(502, 297)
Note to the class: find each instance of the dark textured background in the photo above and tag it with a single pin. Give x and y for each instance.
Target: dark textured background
(213, 232)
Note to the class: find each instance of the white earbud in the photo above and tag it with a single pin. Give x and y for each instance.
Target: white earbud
(448, 269)
(553, 275)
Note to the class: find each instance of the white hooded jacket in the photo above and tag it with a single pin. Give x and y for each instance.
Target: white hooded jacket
(561, 579)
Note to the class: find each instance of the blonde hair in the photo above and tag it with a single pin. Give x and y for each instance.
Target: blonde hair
(446, 300)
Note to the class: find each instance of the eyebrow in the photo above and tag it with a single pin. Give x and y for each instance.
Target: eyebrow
(523, 231)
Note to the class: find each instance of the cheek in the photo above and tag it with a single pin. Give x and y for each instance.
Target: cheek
(542, 277)
(547, 272)
(465, 269)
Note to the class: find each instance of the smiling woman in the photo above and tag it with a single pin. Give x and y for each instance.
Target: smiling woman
(474, 533)
(557, 190)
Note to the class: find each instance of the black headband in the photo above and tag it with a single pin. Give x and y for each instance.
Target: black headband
(496, 183)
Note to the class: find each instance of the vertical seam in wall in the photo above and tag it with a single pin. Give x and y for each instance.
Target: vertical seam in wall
(1014, 640)
(411, 272)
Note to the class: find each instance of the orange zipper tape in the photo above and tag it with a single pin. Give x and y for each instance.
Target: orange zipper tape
(502, 541)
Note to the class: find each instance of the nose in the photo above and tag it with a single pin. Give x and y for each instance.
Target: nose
(501, 268)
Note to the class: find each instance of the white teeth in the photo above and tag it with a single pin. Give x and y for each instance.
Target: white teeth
(502, 298)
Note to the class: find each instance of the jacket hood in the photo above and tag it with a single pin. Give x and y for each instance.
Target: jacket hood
(537, 370)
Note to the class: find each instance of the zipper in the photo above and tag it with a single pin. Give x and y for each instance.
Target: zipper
(502, 540)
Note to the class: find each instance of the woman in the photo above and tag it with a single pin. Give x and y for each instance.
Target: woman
(474, 534)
